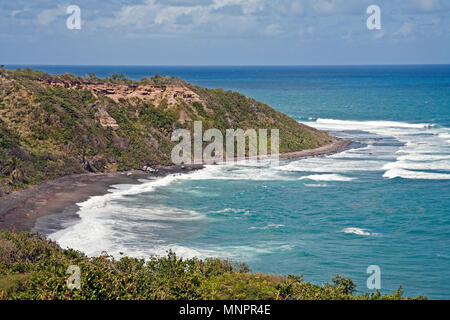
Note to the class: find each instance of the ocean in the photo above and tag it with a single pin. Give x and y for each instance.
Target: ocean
(385, 201)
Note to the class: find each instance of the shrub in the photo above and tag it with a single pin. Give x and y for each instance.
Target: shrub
(32, 267)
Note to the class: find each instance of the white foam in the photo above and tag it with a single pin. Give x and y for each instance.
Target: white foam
(255, 171)
(115, 228)
(418, 165)
(269, 226)
(426, 148)
(319, 185)
(351, 125)
(407, 174)
(359, 231)
(333, 164)
(424, 157)
(445, 135)
(234, 211)
(327, 177)
(109, 223)
(181, 251)
(249, 252)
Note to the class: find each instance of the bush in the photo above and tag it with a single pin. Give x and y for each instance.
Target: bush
(32, 267)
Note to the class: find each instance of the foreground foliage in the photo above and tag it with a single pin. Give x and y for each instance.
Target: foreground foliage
(32, 267)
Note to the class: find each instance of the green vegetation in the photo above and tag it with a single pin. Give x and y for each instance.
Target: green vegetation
(48, 131)
(32, 267)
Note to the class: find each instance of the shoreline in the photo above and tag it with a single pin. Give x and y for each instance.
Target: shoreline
(337, 145)
(21, 210)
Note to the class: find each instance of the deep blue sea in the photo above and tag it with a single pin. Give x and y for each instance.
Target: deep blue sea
(385, 201)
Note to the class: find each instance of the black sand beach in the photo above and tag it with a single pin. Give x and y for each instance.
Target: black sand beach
(22, 209)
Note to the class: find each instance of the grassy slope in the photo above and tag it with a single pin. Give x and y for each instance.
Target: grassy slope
(32, 267)
(47, 132)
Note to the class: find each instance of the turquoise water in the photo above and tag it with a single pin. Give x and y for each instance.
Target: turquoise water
(383, 202)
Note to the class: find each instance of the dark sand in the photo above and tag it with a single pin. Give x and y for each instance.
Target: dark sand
(336, 145)
(20, 210)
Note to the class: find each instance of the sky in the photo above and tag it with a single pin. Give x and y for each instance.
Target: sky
(224, 32)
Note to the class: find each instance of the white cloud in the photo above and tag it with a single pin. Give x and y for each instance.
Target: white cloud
(297, 7)
(306, 32)
(324, 6)
(46, 17)
(16, 12)
(171, 14)
(427, 5)
(405, 31)
(273, 30)
(178, 17)
(379, 34)
(159, 13)
(329, 7)
(308, 19)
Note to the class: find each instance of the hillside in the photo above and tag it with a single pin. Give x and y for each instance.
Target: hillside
(51, 126)
(32, 267)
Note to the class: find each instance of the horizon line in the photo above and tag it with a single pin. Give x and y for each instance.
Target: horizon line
(229, 65)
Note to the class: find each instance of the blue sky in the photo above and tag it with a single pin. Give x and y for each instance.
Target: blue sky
(224, 32)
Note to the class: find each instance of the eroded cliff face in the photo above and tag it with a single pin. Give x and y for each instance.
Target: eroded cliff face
(167, 96)
(172, 94)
